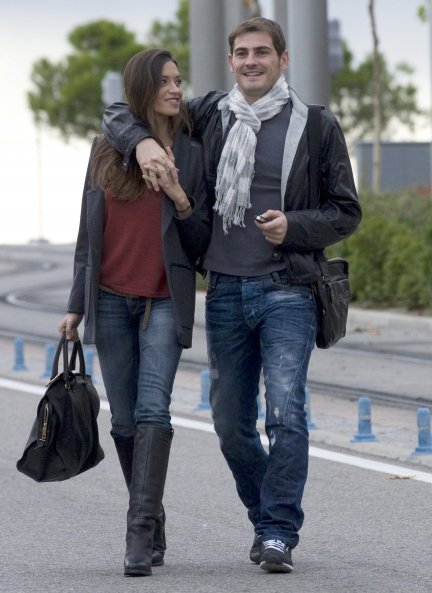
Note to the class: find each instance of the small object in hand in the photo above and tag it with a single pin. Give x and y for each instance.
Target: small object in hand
(261, 219)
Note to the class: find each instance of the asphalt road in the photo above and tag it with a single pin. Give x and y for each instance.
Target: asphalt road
(364, 530)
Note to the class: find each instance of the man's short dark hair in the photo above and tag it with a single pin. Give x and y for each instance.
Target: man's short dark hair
(260, 24)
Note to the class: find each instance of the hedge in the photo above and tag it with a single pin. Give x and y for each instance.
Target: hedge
(390, 253)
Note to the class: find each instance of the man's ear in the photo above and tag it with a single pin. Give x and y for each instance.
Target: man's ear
(230, 63)
(284, 60)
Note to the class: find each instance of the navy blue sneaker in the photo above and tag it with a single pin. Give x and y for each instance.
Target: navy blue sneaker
(275, 556)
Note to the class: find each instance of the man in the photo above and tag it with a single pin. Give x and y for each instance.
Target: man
(260, 312)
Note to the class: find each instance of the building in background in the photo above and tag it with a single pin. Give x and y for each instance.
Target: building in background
(405, 165)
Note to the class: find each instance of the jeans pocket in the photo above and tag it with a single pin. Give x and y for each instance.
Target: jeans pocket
(212, 285)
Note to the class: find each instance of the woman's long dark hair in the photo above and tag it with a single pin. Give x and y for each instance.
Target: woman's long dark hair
(141, 79)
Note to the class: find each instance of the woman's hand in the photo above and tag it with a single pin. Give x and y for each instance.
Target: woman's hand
(69, 326)
(167, 179)
(153, 161)
(159, 174)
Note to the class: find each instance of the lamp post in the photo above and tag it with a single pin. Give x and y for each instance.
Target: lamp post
(308, 72)
(39, 182)
(430, 101)
(112, 87)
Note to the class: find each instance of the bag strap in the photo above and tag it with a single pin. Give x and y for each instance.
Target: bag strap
(68, 365)
(77, 349)
(314, 143)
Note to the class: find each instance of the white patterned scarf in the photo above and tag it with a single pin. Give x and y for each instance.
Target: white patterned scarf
(236, 165)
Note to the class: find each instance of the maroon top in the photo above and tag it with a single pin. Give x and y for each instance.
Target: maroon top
(132, 258)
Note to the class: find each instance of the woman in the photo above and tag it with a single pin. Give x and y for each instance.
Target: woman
(134, 284)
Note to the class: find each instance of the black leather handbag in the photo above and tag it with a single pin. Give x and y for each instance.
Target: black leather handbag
(332, 296)
(332, 290)
(64, 439)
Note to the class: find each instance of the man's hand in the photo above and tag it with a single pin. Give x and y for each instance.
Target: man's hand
(154, 162)
(275, 230)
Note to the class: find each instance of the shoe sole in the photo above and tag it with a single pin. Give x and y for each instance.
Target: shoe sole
(158, 563)
(275, 567)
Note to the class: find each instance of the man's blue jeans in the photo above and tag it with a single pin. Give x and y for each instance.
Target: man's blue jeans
(253, 324)
(138, 360)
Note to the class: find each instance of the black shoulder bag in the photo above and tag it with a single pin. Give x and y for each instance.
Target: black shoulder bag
(64, 439)
(332, 290)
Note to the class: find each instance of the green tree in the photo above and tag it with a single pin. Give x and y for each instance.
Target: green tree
(352, 103)
(67, 94)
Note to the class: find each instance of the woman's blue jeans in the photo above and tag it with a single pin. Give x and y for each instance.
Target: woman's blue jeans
(138, 361)
(253, 324)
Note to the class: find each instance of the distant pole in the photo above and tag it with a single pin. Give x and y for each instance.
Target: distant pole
(280, 15)
(210, 23)
(209, 48)
(234, 13)
(308, 71)
(430, 101)
(112, 87)
(39, 183)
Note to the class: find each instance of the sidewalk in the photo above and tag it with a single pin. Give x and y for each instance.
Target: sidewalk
(336, 419)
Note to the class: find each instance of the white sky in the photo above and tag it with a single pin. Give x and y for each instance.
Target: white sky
(32, 29)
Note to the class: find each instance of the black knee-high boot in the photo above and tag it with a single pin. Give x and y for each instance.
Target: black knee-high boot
(150, 463)
(124, 447)
(159, 539)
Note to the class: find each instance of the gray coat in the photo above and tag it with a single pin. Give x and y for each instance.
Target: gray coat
(183, 242)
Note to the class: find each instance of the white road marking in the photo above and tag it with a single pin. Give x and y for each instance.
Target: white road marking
(362, 462)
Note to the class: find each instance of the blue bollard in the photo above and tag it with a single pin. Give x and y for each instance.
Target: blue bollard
(364, 421)
(260, 411)
(19, 356)
(310, 424)
(49, 357)
(88, 359)
(205, 391)
(424, 433)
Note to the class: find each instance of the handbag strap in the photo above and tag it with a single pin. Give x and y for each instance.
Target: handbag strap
(314, 143)
(77, 349)
(68, 365)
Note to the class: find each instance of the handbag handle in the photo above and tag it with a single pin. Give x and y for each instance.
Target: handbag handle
(68, 365)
